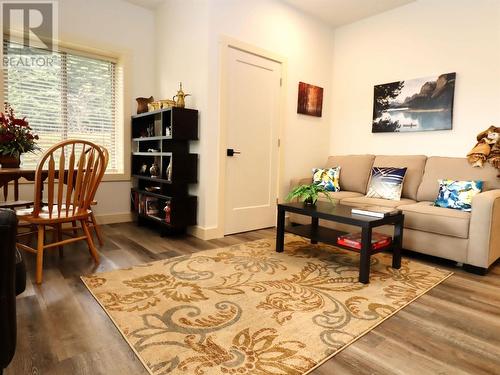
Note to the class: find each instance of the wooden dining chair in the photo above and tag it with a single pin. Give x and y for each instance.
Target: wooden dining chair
(70, 190)
(92, 221)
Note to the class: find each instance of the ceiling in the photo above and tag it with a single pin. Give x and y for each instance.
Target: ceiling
(333, 12)
(341, 12)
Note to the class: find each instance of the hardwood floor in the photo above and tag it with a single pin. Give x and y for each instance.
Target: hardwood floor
(453, 329)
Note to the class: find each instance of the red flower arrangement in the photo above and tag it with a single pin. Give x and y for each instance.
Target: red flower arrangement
(16, 136)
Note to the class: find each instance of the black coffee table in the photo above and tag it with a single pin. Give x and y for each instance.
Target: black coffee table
(341, 214)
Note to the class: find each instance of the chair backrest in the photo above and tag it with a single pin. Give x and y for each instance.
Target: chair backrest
(73, 183)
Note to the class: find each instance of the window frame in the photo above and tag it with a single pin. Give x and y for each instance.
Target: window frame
(122, 59)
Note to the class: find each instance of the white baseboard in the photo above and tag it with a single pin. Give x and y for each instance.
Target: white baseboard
(121, 217)
(205, 233)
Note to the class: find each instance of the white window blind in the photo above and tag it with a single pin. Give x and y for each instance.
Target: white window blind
(74, 97)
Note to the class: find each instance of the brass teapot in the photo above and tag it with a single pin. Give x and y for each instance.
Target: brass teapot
(179, 102)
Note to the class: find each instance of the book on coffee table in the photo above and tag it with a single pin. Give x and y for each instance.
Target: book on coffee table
(353, 240)
(375, 211)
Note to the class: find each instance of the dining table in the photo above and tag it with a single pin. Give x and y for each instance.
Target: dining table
(8, 175)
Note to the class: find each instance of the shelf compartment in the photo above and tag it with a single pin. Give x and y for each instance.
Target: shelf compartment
(146, 139)
(183, 209)
(183, 123)
(327, 235)
(151, 153)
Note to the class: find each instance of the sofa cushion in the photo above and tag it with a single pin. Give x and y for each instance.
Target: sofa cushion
(426, 217)
(457, 194)
(327, 178)
(386, 183)
(458, 169)
(355, 171)
(360, 201)
(415, 165)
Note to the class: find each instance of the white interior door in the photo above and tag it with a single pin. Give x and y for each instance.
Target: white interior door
(252, 101)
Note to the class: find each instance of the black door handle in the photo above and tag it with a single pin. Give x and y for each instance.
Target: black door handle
(231, 152)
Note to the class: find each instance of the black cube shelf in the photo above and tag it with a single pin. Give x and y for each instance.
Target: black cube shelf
(162, 137)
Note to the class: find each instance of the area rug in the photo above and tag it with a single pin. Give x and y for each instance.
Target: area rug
(246, 309)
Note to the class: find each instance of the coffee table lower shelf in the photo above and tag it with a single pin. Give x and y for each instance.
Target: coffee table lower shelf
(327, 235)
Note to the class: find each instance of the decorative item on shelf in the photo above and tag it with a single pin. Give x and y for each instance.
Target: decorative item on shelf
(151, 206)
(169, 170)
(308, 194)
(154, 170)
(150, 131)
(154, 106)
(142, 104)
(144, 168)
(353, 240)
(152, 189)
(16, 138)
(310, 100)
(180, 102)
(168, 131)
(153, 150)
(167, 103)
(167, 211)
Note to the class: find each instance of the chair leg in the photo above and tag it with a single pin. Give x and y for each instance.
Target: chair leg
(75, 226)
(39, 254)
(97, 229)
(90, 242)
(32, 237)
(59, 239)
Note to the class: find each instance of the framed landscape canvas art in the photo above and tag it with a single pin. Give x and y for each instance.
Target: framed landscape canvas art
(414, 105)
(310, 101)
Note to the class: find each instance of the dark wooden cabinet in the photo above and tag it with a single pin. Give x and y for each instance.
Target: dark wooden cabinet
(160, 195)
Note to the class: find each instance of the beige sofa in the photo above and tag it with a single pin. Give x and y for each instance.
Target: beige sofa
(470, 238)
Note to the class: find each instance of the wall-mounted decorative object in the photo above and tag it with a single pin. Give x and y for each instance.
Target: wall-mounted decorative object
(310, 100)
(142, 104)
(414, 105)
(179, 98)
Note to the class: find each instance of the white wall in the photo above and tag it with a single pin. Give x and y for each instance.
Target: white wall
(121, 29)
(424, 38)
(189, 32)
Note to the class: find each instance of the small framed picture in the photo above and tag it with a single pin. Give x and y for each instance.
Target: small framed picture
(310, 100)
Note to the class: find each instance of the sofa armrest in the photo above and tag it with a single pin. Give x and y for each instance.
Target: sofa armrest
(484, 239)
(300, 181)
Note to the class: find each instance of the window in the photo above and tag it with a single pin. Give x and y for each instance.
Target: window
(73, 97)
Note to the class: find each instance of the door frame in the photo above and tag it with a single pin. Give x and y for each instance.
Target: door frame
(226, 42)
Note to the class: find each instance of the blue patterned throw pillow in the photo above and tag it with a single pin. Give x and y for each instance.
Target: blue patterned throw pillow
(386, 183)
(457, 194)
(328, 178)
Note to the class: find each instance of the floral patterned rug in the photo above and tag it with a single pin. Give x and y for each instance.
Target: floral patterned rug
(246, 309)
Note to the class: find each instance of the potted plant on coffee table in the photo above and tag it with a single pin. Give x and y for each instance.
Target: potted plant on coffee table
(16, 138)
(308, 194)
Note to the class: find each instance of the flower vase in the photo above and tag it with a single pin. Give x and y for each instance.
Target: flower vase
(10, 161)
(308, 202)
